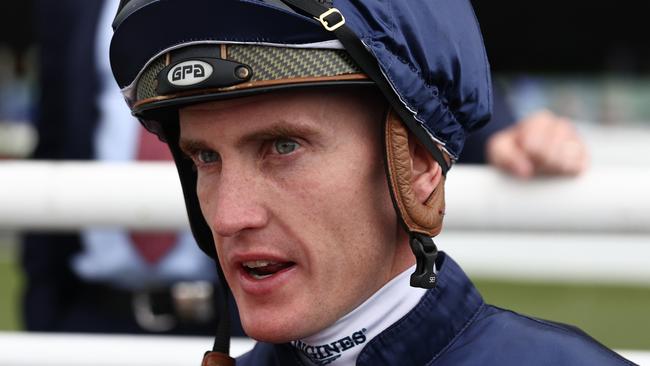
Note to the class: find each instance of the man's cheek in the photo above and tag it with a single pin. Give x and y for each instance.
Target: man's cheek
(204, 198)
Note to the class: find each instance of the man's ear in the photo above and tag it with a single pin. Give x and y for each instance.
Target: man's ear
(425, 170)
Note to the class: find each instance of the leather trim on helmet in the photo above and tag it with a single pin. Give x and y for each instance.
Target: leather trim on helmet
(421, 217)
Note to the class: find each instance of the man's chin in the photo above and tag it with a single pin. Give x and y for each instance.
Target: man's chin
(277, 327)
(270, 334)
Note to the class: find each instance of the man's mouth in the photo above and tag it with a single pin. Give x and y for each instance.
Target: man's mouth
(261, 269)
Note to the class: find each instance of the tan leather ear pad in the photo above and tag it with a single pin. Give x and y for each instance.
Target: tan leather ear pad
(422, 217)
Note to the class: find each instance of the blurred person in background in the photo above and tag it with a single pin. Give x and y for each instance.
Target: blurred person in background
(96, 280)
(541, 143)
(17, 137)
(104, 280)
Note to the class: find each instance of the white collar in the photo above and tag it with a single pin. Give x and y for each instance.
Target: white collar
(341, 343)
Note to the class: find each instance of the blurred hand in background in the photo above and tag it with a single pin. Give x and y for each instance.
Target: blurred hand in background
(540, 144)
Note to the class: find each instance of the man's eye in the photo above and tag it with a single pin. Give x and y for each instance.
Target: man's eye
(207, 156)
(285, 146)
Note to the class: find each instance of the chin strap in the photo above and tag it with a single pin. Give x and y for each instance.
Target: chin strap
(219, 356)
(426, 252)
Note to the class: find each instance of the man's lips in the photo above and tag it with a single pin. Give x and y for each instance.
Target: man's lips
(261, 268)
(262, 274)
(259, 265)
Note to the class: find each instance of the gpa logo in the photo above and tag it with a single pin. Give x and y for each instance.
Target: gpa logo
(189, 73)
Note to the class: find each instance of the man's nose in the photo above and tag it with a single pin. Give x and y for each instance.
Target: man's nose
(237, 204)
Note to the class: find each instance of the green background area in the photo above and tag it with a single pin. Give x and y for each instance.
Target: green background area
(617, 316)
(10, 287)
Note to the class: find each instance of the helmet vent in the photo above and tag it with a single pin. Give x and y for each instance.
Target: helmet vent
(148, 80)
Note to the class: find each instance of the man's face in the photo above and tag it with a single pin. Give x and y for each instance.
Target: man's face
(293, 188)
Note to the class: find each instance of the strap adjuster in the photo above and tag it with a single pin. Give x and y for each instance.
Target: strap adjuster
(322, 19)
(426, 253)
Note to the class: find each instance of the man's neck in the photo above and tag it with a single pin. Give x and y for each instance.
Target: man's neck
(341, 343)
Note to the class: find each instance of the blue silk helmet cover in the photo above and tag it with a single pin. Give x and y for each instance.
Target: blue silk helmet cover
(430, 51)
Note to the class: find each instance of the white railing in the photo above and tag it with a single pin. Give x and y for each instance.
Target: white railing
(67, 195)
(71, 195)
(28, 349)
(61, 349)
(586, 258)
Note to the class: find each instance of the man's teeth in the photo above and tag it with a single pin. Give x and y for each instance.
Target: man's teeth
(258, 264)
(261, 269)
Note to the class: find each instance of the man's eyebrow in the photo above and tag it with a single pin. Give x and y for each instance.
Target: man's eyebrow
(279, 129)
(190, 146)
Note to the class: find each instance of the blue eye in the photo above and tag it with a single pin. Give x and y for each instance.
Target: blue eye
(285, 146)
(207, 156)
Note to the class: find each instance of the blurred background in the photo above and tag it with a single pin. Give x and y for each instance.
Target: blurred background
(589, 62)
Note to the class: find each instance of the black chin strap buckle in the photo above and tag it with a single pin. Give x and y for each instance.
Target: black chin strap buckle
(425, 275)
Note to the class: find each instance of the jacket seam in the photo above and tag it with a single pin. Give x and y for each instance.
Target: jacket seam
(445, 348)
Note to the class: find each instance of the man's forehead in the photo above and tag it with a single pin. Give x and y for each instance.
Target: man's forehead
(318, 95)
(297, 113)
(321, 109)
(237, 116)
(221, 105)
(252, 117)
(289, 105)
(261, 108)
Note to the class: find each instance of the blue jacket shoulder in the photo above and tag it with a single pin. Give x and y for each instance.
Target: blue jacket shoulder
(503, 337)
